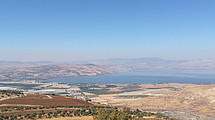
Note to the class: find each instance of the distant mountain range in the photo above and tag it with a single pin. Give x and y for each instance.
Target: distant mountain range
(156, 63)
(6, 65)
(45, 72)
(42, 70)
(125, 64)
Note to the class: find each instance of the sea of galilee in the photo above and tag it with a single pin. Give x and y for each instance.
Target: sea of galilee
(145, 77)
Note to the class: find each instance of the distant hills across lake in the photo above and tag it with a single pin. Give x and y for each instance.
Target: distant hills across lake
(129, 63)
(156, 63)
(46, 70)
(143, 77)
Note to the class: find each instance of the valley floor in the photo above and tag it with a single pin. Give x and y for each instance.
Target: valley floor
(189, 101)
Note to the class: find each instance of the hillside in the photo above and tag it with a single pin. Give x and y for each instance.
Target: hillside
(52, 71)
(182, 101)
(32, 106)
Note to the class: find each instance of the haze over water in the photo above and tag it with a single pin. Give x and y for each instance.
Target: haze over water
(143, 77)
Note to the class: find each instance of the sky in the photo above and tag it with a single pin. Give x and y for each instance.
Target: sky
(71, 30)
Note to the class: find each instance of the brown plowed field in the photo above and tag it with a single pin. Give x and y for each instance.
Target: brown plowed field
(43, 100)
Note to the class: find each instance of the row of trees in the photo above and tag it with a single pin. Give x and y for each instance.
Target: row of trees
(21, 108)
(98, 112)
(126, 114)
(12, 92)
(77, 111)
(8, 93)
(56, 113)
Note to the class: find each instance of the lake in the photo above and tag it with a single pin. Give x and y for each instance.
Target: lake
(144, 77)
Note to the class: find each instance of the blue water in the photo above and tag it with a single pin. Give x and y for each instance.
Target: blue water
(143, 77)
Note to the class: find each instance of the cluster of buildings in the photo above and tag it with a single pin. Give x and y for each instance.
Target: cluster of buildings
(46, 88)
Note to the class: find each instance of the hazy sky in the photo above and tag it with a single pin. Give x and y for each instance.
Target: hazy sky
(68, 30)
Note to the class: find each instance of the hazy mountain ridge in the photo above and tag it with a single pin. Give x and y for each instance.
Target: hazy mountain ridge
(124, 63)
(18, 71)
(157, 63)
(52, 71)
(5, 65)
